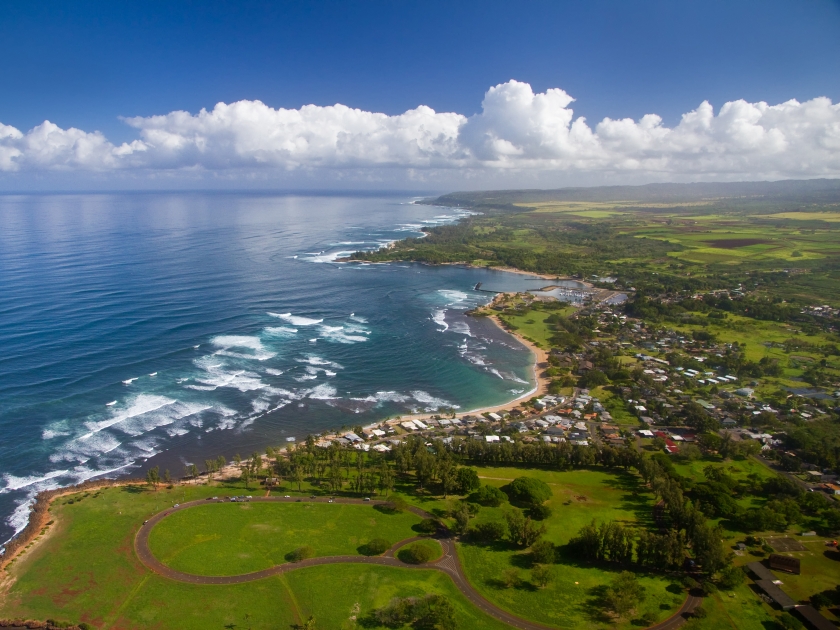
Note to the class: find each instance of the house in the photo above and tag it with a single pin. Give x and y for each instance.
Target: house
(420, 424)
(746, 392)
(491, 438)
(832, 488)
(494, 417)
(788, 564)
(760, 571)
(814, 476)
(782, 599)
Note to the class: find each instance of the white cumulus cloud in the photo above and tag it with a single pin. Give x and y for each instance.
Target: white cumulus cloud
(516, 132)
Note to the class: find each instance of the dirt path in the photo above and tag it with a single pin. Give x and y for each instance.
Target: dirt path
(448, 563)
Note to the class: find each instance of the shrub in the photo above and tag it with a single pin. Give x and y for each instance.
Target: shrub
(510, 577)
(528, 490)
(690, 582)
(544, 552)
(649, 618)
(417, 553)
(541, 575)
(397, 503)
(427, 526)
(730, 577)
(700, 612)
(431, 611)
(375, 547)
(539, 512)
(490, 496)
(488, 532)
(300, 554)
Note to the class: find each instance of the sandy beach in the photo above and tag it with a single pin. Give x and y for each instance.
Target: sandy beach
(540, 389)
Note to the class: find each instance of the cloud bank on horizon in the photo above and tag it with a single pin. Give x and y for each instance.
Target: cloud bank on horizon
(516, 132)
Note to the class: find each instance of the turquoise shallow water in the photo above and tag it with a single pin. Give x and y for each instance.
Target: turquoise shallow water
(164, 328)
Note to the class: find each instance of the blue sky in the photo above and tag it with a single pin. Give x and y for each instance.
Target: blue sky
(87, 64)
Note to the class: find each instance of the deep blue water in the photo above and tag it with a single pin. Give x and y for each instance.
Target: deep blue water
(162, 328)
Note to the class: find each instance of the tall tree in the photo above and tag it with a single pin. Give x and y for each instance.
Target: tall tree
(153, 477)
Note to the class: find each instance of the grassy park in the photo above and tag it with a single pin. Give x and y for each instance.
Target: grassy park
(234, 538)
(85, 568)
(570, 599)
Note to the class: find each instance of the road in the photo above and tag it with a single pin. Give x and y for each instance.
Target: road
(448, 563)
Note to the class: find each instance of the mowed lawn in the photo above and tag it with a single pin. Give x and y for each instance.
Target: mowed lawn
(570, 601)
(86, 570)
(234, 538)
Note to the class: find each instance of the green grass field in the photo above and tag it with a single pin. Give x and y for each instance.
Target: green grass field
(86, 570)
(532, 324)
(570, 601)
(234, 538)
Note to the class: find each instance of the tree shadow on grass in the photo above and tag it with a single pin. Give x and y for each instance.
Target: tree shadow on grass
(522, 585)
(522, 560)
(496, 545)
(134, 489)
(635, 498)
(594, 606)
(385, 508)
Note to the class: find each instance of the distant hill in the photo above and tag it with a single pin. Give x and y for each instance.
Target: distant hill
(801, 191)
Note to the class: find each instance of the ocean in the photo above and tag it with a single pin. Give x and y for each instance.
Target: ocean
(141, 329)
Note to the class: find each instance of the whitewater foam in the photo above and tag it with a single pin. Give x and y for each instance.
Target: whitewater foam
(461, 328)
(296, 320)
(322, 392)
(226, 342)
(314, 359)
(439, 317)
(280, 331)
(432, 403)
(338, 334)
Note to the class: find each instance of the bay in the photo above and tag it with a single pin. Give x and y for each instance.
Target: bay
(141, 329)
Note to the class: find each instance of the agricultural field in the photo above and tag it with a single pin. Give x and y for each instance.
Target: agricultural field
(707, 243)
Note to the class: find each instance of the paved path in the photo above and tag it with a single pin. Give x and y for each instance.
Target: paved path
(448, 563)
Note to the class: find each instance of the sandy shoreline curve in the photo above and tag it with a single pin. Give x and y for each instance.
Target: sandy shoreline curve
(540, 388)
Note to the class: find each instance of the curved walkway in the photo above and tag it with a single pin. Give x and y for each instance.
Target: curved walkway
(448, 563)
